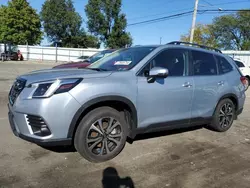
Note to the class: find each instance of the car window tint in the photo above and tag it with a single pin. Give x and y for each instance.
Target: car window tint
(203, 63)
(239, 64)
(224, 65)
(172, 59)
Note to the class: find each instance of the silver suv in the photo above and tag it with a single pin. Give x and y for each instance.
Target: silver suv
(131, 91)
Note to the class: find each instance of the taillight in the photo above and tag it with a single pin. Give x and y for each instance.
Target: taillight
(243, 80)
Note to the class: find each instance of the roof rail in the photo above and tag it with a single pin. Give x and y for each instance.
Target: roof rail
(194, 44)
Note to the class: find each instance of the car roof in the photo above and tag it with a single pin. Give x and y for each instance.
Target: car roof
(180, 46)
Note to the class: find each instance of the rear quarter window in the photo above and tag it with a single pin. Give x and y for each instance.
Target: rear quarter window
(203, 63)
(223, 65)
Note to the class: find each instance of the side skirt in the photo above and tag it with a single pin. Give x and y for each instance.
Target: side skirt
(164, 126)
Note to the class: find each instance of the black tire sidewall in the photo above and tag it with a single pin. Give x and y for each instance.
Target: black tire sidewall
(82, 130)
(216, 123)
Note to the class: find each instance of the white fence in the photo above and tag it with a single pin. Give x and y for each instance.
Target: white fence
(52, 53)
(67, 54)
(244, 56)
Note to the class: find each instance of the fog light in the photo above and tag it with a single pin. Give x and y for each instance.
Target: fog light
(38, 125)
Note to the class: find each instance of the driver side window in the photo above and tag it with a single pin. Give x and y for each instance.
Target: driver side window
(175, 60)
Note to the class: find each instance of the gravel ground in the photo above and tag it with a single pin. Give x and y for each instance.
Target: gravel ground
(191, 159)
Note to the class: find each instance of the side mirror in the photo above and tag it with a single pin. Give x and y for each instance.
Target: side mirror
(157, 72)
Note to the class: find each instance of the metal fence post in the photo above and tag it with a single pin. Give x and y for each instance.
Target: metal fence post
(56, 51)
(69, 55)
(42, 52)
(27, 50)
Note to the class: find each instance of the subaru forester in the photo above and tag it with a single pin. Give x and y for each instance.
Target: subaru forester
(132, 91)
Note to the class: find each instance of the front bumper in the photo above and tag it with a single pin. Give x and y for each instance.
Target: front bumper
(56, 111)
(42, 142)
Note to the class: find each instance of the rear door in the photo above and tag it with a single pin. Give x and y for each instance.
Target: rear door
(209, 84)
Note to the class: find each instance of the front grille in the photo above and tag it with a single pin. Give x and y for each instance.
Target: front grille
(38, 125)
(16, 89)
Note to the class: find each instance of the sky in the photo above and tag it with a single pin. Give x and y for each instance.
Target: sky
(164, 31)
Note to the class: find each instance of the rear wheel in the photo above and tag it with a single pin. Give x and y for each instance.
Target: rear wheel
(101, 135)
(223, 116)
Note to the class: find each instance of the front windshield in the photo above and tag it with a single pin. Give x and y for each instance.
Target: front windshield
(123, 59)
(99, 55)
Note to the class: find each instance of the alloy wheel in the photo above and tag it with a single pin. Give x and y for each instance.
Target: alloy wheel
(226, 115)
(104, 136)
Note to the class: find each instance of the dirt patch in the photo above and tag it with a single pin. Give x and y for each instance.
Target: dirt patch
(37, 153)
(209, 165)
(10, 180)
(3, 98)
(4, 80)
(4, 156)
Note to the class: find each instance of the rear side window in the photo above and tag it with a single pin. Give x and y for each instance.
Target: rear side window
(204, 63)
(239, 64)
(224, 65)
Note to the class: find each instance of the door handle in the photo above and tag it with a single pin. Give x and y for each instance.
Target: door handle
(221, 83)
(187, 84)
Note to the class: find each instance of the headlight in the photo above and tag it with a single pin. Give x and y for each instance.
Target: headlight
(48, 88)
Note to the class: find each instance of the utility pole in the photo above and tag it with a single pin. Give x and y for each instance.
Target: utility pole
(160, 40)
(193, 21)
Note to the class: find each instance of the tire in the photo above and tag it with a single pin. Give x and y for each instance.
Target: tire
(224, 116)
(101, 143)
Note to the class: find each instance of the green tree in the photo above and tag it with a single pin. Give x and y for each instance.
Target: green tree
(20, 24)
(62, 23)
(233, 31)
(106, 21)
(203, 35)
(81, 40)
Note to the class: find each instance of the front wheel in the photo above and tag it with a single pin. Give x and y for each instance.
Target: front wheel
(101, 135)
(223, 116)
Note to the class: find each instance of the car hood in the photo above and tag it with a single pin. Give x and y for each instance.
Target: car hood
(73, 65)
(53, 74)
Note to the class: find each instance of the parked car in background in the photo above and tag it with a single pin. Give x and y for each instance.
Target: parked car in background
(86, 62)
(79, 59)
(132, 91)
(10, 52)
(244, 69)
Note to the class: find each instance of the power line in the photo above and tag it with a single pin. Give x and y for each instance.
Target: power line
(151, 15)
(212, 5)
(232, 2)
(226, 10)
(174, 16)
(162, 18)
(208, 3)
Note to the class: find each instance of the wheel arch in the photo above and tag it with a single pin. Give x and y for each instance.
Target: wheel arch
(119, 101)
(230, 96)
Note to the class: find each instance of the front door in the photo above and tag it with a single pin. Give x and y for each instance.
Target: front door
(167, 99)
